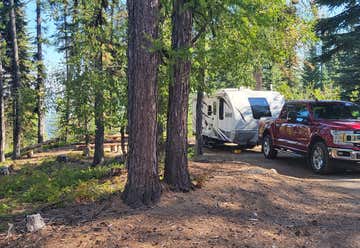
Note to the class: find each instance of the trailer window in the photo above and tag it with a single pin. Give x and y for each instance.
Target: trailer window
(260, 107)
(214, 108)
(221, 109)
(209, 112)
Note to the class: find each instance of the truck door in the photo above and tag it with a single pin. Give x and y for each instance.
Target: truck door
(282, 136)
(301, 130)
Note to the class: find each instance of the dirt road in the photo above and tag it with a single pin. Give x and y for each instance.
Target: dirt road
(287, 164)
(241, 203)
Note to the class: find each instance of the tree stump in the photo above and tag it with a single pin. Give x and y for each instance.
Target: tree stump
(34, 222)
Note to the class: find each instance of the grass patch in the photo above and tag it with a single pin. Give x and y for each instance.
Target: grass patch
(56, 183)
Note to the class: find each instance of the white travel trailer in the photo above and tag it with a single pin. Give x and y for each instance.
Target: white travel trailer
(232, 115)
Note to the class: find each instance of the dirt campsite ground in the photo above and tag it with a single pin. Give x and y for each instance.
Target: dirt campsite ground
(243, 201)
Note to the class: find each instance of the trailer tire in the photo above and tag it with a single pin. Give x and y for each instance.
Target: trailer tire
(268, 147)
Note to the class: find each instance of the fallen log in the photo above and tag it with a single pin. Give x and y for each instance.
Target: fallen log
(30, 149)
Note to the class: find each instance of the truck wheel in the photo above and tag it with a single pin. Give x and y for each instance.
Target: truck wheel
(268, 147)
(319, 158)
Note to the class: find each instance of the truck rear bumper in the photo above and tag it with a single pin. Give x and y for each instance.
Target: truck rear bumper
(344, 154)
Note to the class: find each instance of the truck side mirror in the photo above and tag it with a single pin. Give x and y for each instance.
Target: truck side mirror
(291, 116)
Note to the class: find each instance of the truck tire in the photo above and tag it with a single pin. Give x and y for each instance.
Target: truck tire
(319, 158)
(268, 147)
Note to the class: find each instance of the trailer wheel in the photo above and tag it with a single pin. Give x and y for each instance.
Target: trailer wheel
(268, 147)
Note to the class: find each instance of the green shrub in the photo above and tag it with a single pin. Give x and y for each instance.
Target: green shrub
(53, 182)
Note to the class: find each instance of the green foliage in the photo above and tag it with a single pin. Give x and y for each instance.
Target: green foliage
(191, 152)
(93, 36)
(243, 37)
(328, 92)
(27, 67)
(340, 35)
(52, 182)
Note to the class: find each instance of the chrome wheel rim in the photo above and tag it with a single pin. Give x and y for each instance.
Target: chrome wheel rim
(318, 158)
(267, 146)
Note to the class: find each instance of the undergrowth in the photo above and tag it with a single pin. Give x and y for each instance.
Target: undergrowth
(56, 183)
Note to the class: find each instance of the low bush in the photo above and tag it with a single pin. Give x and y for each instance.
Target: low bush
(53, 182)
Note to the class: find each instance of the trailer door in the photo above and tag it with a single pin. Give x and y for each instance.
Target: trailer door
(225, 118)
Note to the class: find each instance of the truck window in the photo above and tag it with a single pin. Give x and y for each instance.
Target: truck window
(284, 112)
(302, 113)
(221, 109)
(336, 111)
(260, 107)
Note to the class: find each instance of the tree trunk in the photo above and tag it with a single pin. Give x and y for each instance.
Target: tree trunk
(258, 78)
(86, 127)
(2, 111)
(40, 76)
(122, 141)
(199, 120)
(176, 162)
(143, 184)
(68, 76)
(99, 98)
(99, 132)
(16, 86)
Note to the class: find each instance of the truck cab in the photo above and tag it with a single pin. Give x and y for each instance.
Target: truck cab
(323, 131)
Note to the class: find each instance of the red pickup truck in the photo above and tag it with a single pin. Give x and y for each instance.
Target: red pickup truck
(323, 131)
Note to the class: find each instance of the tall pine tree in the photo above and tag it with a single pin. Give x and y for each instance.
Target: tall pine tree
(340, 35)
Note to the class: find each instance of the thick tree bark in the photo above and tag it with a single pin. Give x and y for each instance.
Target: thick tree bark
(99, 132)
(99, 97)
(16, 86)
(40, 76)
(199, 120)
(176, 162)
(143, 184)
(2, 112)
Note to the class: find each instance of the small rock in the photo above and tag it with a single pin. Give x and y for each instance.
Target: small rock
(34, 222)
(256, 171)
(273, 171)
(5, 171)
(62, 158)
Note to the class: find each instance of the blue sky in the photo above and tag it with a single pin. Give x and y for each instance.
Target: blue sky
(51, 56)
